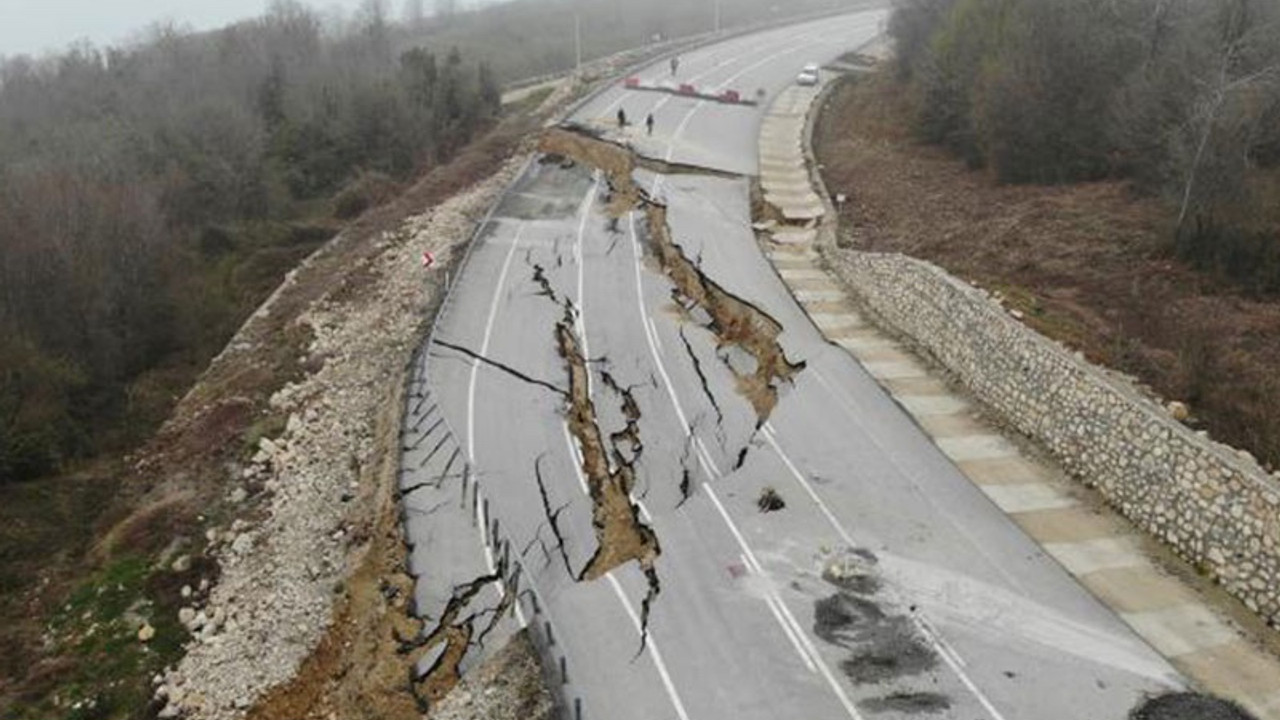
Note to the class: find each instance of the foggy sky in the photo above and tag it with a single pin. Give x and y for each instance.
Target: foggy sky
(35, 26)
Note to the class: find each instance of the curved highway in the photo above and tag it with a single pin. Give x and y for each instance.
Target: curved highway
(885, 586)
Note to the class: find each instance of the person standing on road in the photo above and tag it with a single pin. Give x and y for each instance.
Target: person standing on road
(622, 118)
(648, 123)
(675, 66)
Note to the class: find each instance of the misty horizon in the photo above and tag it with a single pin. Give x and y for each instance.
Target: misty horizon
(43, 27)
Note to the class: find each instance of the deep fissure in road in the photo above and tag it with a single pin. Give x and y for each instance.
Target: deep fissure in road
(454, 635)
(609, 468)
(735, 322)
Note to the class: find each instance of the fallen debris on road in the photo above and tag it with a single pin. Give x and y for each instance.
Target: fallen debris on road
(770, 501)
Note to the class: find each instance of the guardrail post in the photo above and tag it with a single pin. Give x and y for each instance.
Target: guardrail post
(466, 479)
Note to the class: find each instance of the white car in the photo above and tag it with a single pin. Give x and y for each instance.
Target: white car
(809, 76)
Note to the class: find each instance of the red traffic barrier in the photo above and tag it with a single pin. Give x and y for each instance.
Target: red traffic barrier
(632, 82)
(732, 96)
(687, 89)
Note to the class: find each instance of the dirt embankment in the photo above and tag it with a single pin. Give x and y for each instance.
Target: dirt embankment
(1087, 264)
(314, 584)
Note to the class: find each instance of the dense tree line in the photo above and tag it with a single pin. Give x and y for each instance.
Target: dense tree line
(1183, 96)
(146, 190)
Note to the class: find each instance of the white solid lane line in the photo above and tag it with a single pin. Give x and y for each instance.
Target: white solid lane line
(475, 373)
(471, 412)
(484, 344)
(651, 645)
(944, 650)
(585, 211)
(653, 330)
(787, 627)
(790, 626)
(823, 668)
(659, 664)
(704, 459)
(575, 455)
(827, 37)
(491, 563)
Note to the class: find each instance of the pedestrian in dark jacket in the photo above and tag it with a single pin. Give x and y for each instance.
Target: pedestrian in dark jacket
(648, 123)
(622, 118)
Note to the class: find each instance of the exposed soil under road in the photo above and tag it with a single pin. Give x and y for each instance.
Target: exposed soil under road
(1087, 264)
(734, 321)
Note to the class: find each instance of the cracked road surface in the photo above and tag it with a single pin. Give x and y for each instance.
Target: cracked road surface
(627, 377)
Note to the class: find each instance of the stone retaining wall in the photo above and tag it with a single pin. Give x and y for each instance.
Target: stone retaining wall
(1213, 505)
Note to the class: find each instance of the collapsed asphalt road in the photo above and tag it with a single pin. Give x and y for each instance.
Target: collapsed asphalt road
(619, 381)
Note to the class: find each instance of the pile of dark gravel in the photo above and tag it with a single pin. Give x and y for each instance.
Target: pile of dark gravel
(1189, 706)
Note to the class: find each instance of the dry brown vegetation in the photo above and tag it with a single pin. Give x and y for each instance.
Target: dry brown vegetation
(1089, 263)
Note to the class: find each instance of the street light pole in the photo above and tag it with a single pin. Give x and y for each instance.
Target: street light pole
(717, 6)
(577, 38)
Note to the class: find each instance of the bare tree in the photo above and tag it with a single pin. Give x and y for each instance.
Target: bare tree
(415, 15)
(1248, 64)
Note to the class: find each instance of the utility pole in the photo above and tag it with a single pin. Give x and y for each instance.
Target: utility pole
(577, 38)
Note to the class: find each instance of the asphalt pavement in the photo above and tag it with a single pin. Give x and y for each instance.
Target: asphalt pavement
(887, 586)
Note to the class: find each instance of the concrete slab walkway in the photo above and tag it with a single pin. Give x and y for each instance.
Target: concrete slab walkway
(784, 175)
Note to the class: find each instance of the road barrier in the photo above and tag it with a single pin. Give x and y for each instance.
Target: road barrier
(728, 97)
